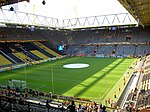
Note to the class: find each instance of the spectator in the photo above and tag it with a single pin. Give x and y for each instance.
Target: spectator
(104, 109)
(71, 107)
(115, 95)
(100, 105)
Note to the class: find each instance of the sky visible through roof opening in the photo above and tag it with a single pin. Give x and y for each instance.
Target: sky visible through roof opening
(67, 9)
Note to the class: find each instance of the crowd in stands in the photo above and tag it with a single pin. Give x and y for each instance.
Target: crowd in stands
(17, 100)
(139, 97)
(144, 95)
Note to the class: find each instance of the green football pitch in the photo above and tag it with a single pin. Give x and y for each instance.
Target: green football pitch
(91, 82)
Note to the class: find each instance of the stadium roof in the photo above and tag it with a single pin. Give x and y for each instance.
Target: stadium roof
(139, 9)
(8, 2)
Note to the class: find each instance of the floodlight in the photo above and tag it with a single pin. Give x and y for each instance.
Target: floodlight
(11, 9)
(43, 2)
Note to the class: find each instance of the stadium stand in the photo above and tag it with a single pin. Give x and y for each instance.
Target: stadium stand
(46, 49)
(26, 34)
(139, 97)
(129, 42)
(24, 45)
(102, 43)
(31, 100)
(20, 52)
(143, 100)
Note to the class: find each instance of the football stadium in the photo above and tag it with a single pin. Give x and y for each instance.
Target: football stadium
(97, 63)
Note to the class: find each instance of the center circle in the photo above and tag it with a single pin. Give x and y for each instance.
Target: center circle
(76, 65)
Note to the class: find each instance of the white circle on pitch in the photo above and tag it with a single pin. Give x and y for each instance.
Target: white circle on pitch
(76, 65)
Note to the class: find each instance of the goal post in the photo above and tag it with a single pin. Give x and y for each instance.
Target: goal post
(17, 84)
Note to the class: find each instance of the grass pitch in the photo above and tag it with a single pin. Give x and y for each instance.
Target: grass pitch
(92, 82)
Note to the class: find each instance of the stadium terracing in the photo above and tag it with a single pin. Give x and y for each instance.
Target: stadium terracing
(25, 41)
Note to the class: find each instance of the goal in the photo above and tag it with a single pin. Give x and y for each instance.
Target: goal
(17, 84)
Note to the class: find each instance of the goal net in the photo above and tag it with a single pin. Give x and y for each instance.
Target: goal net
(17, 84)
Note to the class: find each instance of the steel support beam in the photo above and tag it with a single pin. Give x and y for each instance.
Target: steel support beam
(22, 18)
(102, 20)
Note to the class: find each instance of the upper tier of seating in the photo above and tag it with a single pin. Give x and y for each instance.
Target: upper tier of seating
(20, 34)
(132, 35)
